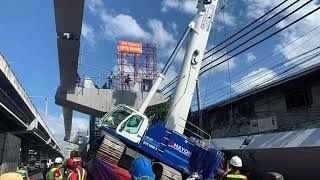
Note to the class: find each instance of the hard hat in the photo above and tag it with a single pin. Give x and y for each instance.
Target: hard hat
(236, 161)
(58, 160)
(77, 161)
(11, 176)
(70, 162)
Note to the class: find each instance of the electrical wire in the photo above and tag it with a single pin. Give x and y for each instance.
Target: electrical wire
(175, 79)
(283, 55)
(256, 35)
(241, 30)
(263, 74)
(258, 42)
(241, 84)
(273, 53)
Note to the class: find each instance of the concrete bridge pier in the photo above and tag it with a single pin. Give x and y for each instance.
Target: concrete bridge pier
(9, 152)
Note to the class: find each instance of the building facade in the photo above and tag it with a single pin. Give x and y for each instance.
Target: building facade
(287, 104)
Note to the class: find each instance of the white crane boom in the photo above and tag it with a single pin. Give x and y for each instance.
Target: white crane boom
(181, 102)
(199, 30)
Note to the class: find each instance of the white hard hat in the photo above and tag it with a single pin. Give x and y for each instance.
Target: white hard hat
(236, 161)
(58, 160)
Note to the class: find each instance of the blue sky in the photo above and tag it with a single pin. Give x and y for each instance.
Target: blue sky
(28, 41)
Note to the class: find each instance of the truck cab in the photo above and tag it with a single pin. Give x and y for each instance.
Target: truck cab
(126, 122)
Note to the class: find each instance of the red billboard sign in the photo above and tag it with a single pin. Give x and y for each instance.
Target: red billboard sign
(130, 47)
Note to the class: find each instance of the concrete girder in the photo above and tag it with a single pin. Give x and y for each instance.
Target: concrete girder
(68, 51)
(33, 124)
(12, 114)
(68, 16)
(49, 141)
(97, 102)
(67, 114)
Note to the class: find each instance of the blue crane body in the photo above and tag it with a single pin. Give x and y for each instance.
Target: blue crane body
(165, 145)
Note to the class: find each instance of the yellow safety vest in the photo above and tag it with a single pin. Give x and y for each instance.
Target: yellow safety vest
(69, 175)
(236, 176)
(23, 172)
(51, 174)
(81, 175)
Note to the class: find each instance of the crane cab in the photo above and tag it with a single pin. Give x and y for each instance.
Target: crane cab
(127, 122)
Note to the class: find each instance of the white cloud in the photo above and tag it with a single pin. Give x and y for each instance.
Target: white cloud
(258, 7)
(174, 27)
(56, 126)
(227, 19)
(160, 35)
(250, 57)
(254, 79)
(88, 33)
(95, 5)
(122, 25)
(186, 6)
(125, 26)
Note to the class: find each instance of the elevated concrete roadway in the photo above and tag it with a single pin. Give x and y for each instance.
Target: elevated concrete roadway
(97, 102)
(21, 126)
(21, 116)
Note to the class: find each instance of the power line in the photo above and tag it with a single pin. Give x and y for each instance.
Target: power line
(256, 20)
(175, 79)
(260, 41)
(263, 74)
(170, 83)
(256, 35)
(253, 76)
(273, 53)
(283, 56)
(298, 63)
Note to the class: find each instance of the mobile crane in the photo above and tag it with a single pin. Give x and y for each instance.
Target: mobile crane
(178, 155)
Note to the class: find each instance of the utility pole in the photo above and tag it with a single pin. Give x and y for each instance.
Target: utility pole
(46, 99)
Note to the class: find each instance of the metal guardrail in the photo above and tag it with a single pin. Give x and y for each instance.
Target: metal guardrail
(196, 127)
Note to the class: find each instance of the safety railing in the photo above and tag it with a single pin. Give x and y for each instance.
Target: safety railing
(196, 127)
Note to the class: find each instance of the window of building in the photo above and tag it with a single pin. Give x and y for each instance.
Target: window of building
(222, 118)
(297, 98)
(246, 110)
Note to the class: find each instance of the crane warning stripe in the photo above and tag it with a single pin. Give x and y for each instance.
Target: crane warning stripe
(130, 47)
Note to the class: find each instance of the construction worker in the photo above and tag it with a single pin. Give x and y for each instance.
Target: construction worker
(78, 80)
(233, 173)
(127, 81)
(71, 170)
(110, 79)
(23, 171)
(55, 172)
(82, 174)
